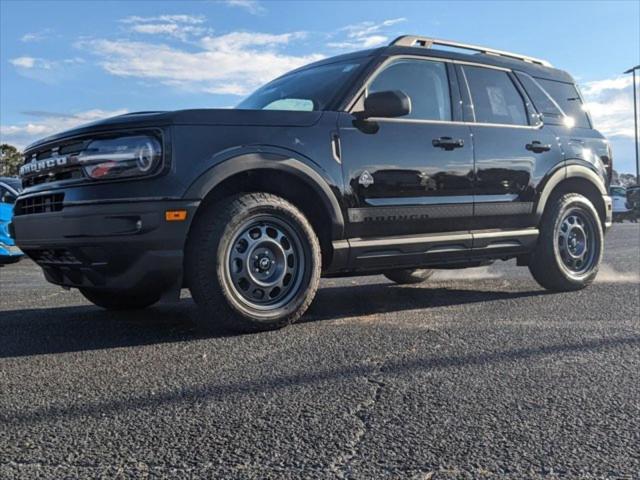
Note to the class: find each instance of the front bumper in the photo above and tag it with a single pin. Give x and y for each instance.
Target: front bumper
(9, 254)
(111, 246)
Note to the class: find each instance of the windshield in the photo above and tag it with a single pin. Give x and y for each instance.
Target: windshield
(13, 183)
(307, 90)
(618, 191)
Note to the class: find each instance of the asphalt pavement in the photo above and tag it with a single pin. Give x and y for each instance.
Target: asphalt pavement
(476, 374)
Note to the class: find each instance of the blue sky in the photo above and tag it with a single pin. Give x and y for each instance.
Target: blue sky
(64, 63)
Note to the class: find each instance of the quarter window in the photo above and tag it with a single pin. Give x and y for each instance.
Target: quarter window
(568, 98)
(424, 81)
(540, 98)
(495, 98)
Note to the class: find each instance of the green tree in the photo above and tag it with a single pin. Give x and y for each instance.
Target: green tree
(10, 160)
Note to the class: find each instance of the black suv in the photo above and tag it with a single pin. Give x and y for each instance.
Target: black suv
(396, 160)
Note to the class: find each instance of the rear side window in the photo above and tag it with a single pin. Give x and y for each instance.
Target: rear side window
(495, 98)
(567, 97)
(424, 81)
(541, 99)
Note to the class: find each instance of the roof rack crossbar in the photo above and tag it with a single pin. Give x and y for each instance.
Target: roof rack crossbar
(426, 42)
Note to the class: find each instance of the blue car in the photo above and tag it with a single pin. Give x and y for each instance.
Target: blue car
(9, 189)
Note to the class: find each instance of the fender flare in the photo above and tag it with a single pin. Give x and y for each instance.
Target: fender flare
(282, 162)
(566, 173)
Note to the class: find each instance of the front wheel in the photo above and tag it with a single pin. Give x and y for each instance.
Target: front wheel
(570, 245)
(253, 263)
(409, 276)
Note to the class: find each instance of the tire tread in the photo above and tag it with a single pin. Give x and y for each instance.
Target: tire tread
(206, 284)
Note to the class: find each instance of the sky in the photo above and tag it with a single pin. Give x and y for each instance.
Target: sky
(63, 63)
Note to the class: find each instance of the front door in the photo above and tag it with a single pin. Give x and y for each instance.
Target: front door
(411, 175)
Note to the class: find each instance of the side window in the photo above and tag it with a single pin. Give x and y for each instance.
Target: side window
(568, 98)
(543, 102)
(424, 81)
(495, 98)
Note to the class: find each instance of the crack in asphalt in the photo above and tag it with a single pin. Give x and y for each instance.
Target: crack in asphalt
(341, 466)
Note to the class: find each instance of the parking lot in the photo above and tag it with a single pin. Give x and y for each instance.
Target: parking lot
(475, 374)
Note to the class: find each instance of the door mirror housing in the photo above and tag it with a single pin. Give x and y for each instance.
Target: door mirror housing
(8, 197)
(386, 104)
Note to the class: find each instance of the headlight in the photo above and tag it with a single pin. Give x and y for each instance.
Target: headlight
(121, 157)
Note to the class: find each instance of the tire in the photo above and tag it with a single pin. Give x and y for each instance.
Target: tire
(114, 300)
(409, 276)
(253, 263)
(570, 246)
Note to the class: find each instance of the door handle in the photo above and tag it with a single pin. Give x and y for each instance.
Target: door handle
(537, 147)
(447, 143)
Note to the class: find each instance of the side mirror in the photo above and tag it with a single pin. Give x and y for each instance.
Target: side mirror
(387, 104)
(8, 197)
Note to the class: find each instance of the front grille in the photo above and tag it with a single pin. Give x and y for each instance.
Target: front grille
(53, 177)
(39, 204)
(56, 256)
(71, 147)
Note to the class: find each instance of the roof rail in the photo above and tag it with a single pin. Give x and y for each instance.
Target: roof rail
(426, 42)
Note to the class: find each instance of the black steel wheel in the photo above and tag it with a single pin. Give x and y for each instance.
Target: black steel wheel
(265, 262)
(576, 241)
(252, 263)
(570, 245)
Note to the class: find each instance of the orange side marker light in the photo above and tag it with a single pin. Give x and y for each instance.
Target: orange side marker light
(175, 215)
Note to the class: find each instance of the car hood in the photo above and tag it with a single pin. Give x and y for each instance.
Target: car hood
(212, 116)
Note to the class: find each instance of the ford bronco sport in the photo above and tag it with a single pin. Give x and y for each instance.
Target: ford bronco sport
(396, 161)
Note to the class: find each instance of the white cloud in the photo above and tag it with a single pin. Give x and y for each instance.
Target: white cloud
(49, 123)
(31, 62)
(177, 26)
(36, 36)
(367, 42)
(610, 102)
(187, 19)
(251, 6)
(172, 29)
(238, 40)
(44, 70)
(234, 63)
(365, 34)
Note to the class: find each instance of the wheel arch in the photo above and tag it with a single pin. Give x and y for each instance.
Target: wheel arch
(575, 179)
(283, 175)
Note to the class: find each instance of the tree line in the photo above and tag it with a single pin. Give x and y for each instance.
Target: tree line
(10, 160)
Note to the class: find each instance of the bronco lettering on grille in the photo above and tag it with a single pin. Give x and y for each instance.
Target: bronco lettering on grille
(43, 165)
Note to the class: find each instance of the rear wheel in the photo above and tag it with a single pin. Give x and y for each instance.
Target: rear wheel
(253, 263)
(409, 276)
(570, 246)
(115, 300)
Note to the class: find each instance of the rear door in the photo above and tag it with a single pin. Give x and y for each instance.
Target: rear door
(513, 149)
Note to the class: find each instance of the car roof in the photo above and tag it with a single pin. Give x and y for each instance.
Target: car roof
(533, 69)
(536, 69)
